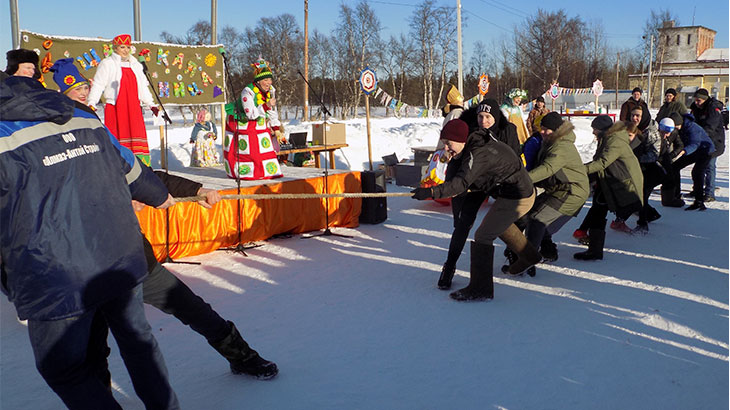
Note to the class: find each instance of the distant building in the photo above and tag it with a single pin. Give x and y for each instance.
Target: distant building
(686, 61)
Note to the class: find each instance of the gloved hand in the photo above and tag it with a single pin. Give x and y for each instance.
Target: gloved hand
(154, 110)
(422, 193)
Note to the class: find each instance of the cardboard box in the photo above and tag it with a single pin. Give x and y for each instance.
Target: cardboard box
(335, 134)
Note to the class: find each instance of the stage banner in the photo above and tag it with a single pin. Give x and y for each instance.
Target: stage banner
(180, 74)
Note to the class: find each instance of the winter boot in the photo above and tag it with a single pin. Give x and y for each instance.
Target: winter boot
(652, 214)
(447, 274)
(696, 206)
(481, 282)
(581, 236)
(619, 224)
(670, 199)
(548, 249)
(526, 252)
(242, 358)
(595, 248)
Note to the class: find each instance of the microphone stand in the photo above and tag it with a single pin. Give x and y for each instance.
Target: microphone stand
(167, 119)
(325, 113)
(239, 248)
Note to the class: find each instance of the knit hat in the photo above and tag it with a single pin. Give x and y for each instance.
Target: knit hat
(492, 107)
(602, 122)
(261, 70)
(21, 55)
(677, 118)
(551, 121)
(666, 125)
(455, 130)
(122, 40)
(637, 89)
(671, 91)
(66, 75)
(702, 94)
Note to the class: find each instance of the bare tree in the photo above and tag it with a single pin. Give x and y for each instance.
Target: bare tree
(198, 34)
(357, 42)
(424, 31)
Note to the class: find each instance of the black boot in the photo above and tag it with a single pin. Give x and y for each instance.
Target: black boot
(697, 205)
(548, 249)
(670, 199)
(595, 247)
(481, 282)
(447, 274)
(242, 358)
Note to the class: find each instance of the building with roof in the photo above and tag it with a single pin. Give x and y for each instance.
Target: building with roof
(686, 60)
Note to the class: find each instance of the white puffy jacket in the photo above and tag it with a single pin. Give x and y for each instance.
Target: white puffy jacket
(109, 75)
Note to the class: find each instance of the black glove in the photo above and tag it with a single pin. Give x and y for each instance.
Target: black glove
(422, 193)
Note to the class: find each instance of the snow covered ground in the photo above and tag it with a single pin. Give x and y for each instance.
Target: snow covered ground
(359, 323)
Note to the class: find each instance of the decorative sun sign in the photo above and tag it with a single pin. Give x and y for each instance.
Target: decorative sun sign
(368, 81)
(483, 84)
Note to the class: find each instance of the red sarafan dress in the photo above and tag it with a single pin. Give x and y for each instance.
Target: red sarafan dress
(124, 118)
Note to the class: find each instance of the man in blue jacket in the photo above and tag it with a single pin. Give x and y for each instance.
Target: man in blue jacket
(70, 244)
(698, 150)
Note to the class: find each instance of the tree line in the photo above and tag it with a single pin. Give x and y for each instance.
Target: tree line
(417, 65)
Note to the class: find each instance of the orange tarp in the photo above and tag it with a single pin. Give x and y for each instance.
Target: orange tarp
(195, 230)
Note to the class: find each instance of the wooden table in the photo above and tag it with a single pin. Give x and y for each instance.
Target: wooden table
(317, 149)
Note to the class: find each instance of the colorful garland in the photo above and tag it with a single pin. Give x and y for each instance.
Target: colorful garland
(260, 97)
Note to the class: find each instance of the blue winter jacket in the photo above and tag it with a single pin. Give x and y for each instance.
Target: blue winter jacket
(694, 137)
(69, 239)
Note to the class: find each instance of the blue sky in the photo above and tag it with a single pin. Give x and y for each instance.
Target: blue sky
(487, 19)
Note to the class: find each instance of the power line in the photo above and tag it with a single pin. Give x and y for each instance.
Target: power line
(506, 8)
(490, 22)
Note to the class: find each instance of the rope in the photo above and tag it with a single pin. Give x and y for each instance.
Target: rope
(298, 196)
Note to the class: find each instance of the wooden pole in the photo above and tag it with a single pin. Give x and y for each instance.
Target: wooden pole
(163, 148)
(306, 59)
(618, 57)
(367, 122)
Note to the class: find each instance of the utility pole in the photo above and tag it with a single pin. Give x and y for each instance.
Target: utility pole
(137, 25)
(14, 25)
(306, 59)
(618, 58)
(458, 46)
(651, 56)
(213, 21)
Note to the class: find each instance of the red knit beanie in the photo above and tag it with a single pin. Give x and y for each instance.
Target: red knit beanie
(455, 130)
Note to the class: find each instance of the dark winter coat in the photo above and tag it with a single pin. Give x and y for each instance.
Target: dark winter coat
(503, 130)
(561, 173)
(629, 106)
(670, 107)
(709, 117)
(694, 137)
(70, 240)
(487, 165)
(618, 171)
(672, 146)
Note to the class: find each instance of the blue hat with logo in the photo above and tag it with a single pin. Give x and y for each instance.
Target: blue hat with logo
(66, 75)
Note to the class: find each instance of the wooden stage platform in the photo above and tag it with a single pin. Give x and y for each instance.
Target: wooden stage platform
(195, 230)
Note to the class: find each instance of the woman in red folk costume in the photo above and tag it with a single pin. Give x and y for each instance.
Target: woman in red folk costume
(122, 81)
(255, 156)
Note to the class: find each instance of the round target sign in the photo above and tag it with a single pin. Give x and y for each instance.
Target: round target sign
(597, 88)
(554, 91)
(368, 81)
(483, 84)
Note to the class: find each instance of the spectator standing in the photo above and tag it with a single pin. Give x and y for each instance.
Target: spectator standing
(633, 102)
(707, 112)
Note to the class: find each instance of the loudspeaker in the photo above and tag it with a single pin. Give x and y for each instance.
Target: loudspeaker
(374, 210)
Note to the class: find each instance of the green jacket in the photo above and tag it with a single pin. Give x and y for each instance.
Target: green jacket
(561, 173)
(618, 170)
(668, 108)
